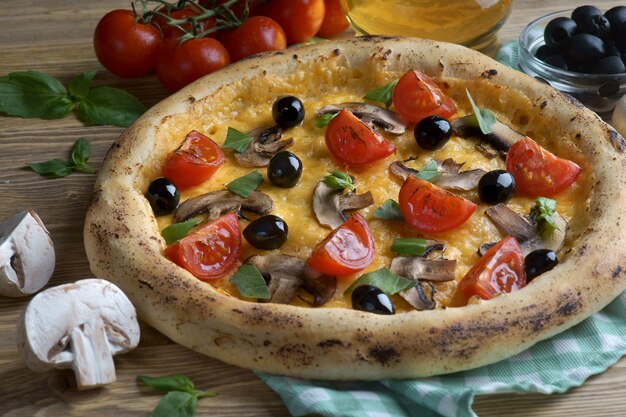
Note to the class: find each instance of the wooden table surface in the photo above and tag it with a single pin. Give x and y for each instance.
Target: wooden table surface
(54, 36)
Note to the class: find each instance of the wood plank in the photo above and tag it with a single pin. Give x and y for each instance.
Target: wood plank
(54, 36)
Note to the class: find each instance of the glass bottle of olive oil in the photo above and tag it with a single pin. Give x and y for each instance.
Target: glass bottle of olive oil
(472, 23)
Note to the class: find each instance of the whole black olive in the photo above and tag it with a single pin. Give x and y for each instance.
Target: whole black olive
(596, 25)
(558, 61)
(371, 299)
(266, 232)
(559, 32)
(586, 48)
(496, 186)
(432, 132)
(545, 51)
(616, 16)
(539, 261)
(288, 111)
(608, 65)
(163, 196)
(284, 169)
(582, 13)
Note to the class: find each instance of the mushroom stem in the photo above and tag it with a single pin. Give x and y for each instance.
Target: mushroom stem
(93, 359)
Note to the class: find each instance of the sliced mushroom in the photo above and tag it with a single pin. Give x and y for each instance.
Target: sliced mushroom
(27, 256)
(287, 274)
(501, 137)
(450, 176)
(265, 145)
(417, 297)
(329, 205)
(418, 268)
(80, 326)
(218, 203)
(526, 232)
(371, 115)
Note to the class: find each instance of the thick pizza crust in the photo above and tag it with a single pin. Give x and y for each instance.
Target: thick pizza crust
(123, 243)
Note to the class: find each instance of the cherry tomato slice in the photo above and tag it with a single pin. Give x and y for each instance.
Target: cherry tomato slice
(499, 271)
(353, 143)
(257, 34)
(194, 162)
(335, 22)
(537, 171)
(430, 209)
(416, 96)
(347, 249)
(125, 47)
(211, 251)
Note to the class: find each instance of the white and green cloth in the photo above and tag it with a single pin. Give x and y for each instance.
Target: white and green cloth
(552, 366)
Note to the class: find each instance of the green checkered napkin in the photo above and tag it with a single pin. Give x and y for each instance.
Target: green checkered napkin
(554, 365)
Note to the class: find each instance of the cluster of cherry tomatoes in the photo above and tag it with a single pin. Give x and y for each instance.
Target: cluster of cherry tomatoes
(184, 41)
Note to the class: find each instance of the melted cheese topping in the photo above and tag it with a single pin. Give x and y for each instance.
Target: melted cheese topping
(247, 105)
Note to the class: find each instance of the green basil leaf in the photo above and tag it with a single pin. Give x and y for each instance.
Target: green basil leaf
(384, 279)
(176, 404)
(542, 212)
(250, 283)
(55, 168)
(429, 173)
(109, 106)
(324, 119)
(390, 210)
(485, 117)
(338, 180)
(410, 246)
(168, 383)
(79, 86)
(177, 231)
(237, 140)
(243, 186)
(382, 94)
(31, 94)
(80, 155)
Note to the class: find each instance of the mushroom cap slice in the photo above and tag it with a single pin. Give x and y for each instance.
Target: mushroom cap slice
(265, 145)
(371, 115)
(501, 137)
(450, 178)
(417, 297)
(27, 256)
(416, 268)
(329, 204)
(81, 326)
(217, 203)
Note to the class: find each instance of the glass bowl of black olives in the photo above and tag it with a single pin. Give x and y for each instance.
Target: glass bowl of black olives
(581, 52)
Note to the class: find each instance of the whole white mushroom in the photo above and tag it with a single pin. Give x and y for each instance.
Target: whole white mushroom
(81, 326)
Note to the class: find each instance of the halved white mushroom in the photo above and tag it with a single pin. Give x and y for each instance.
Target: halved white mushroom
(81, 326)
(329, 204)
(27, 255)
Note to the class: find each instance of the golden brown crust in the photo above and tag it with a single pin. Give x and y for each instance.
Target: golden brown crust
(123, 245)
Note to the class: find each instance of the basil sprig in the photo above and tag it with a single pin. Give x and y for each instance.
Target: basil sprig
(244, 186)
(324, 119)
(390, 210)
(384, 279)
(57, 168)
(339, 181)
(237, 140)
(542, 212)
(429, 173)
(177, 231)
(484, 117)
(410, 246)
(250, 283)
(32, 94)
(382, 94)
(182, 396)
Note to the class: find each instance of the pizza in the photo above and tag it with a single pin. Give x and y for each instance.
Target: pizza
(456, 216)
